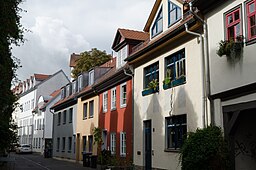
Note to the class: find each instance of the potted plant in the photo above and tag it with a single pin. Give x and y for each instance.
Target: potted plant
(153, 87)
(231, 48)
(168, 79)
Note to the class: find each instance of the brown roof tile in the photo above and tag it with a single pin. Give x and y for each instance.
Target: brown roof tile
(132, 34)
(73, 58)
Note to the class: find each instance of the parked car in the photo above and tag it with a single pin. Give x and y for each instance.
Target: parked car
(24, 148)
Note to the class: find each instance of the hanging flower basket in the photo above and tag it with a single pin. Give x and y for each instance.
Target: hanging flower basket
(232, 49)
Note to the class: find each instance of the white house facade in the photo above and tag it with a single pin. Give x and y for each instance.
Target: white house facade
(169, 93)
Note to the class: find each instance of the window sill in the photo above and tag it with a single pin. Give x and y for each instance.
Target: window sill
(113, 109)
(174, 83)
(123, 106)
(250, 42)
(70, 122)
(90, 117)
(149, 91)
(123, 155)
(62, 151)
(84, 118)
(172, 150)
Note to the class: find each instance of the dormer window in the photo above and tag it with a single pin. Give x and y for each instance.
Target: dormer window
(174, 13)
(74, 87)
(80, 82)
(91, 77)
(122, 55)
(158, 24)
(68, 90)
(62, 93)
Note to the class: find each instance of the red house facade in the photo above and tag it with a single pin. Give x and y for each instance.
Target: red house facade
(115, 98)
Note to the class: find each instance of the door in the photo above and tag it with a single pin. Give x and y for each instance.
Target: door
(147, 145)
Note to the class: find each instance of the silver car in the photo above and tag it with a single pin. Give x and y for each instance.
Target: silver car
(24, 148)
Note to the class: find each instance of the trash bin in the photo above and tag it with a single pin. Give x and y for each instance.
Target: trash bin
(86, 159)
(93, 161)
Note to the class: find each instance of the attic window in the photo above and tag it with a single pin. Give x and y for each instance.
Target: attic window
(91, 77)
(174, 13)
(80, 83)
(158, 24)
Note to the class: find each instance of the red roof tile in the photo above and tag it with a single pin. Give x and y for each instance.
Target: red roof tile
(41, 77)
(132, 34)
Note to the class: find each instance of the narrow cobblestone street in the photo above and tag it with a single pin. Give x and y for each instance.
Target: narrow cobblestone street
(38, 162)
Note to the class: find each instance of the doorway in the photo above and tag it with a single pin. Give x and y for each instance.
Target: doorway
(148, 144)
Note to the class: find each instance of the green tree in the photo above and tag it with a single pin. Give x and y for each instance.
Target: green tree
(11, 32)
(205, 149)
(90, 59)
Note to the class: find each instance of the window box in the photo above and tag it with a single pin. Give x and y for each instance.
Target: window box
(180, 81)
(150, 91)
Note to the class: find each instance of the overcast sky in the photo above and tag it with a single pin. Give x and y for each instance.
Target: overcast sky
(59, 28)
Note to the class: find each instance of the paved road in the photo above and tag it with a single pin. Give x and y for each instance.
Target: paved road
(38, 162)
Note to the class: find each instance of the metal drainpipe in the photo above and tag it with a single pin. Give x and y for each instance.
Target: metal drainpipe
(207, 70)
(203, 70)
(131, 75)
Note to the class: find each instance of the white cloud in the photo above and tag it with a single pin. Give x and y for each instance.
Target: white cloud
(60, 28)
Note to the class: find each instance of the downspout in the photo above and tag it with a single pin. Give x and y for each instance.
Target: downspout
(207, 68)
(53, 122)
(131, 75)
(203, 70)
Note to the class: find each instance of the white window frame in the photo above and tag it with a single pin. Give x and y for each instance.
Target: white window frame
(74, 87)
(122, 144)
(68, 90)
(113, 98)
(91, 77)
(121, 56)
(80, 82)
(122, 105)
(105, 101)
(113, 143)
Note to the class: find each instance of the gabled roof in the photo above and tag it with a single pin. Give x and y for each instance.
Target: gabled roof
(73, 58)
(52, 96)
(153, 13)
(126, 34)
(41, 77)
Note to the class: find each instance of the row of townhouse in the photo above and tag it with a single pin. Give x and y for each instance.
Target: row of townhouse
(32, 116)
(165, 81)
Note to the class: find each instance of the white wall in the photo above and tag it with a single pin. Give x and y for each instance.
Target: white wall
(224, 75)
(187, 99)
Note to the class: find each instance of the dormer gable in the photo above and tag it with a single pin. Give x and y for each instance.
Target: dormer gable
(164, 15)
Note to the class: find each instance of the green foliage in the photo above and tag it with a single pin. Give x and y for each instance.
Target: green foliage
(153, 84)
(90, 59)
(97, 135)
(10, 32)
(167, 79)
(231, 48)
(205, 149)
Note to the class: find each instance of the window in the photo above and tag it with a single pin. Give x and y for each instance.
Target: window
(63, 93)
(121, 56)
(84, 143)
(105, 101)
(68, 90)
(158, 24)
(91, 77)
(85, 110)
(74, 88)
(176, 128)
(122, 143)
(59, 118)
(113, 98)
(174, 13)
(63, 144)
(151, 73)
(58, 144)
(91, 108)
(69, 144)
(39, 143)
(90, 138)
(64, 116)
(113, 143)
(251, 19)
(176, 68)
(123, 95)
(80, 82)
(70, 115)
(233, 24)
